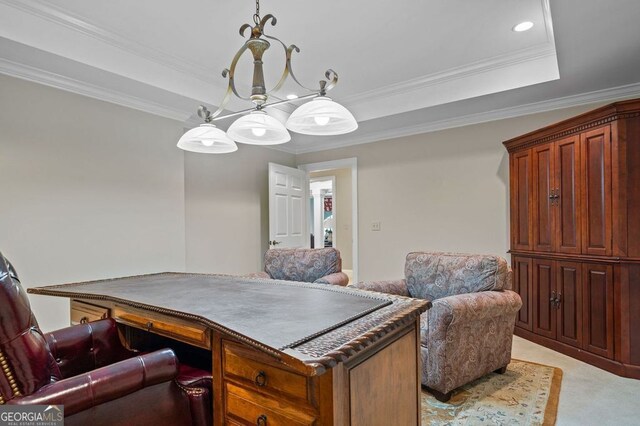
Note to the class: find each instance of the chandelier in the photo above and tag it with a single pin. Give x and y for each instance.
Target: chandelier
(319, 117)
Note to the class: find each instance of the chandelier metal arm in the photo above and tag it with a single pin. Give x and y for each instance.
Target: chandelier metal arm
(204, 113)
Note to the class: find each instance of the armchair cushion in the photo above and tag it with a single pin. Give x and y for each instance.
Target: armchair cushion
(433, 276)
(307, 265)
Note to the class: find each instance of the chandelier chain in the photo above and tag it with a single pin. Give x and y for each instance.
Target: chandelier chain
(256, 17)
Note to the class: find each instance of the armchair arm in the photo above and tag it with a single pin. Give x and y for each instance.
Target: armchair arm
(474, 307)
(337, 278)
(397, 287)
(105, 384)
(85, 347)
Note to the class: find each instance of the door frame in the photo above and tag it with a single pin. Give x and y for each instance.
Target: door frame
(344, 163)
(335, 210)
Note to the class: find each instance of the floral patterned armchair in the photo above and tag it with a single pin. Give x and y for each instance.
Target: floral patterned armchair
(321, 266)
(468, 332)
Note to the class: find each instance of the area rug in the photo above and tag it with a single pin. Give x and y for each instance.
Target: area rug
(527, 394)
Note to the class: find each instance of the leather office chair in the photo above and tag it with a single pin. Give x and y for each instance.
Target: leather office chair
(320, 266)
(86, 369)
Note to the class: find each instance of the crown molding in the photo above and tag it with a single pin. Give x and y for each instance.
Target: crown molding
(484, 66)
(55, 14)
(605, 95)
(58, 81)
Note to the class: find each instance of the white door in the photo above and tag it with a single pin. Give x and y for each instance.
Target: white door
(288, 207)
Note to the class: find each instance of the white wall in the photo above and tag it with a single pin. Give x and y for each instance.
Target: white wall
(89, 190)
(227, 209)
(344, 240)
(445, 190)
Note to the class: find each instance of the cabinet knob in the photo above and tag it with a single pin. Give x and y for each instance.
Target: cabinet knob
(261, 420)
(261, 379)
(84, 320)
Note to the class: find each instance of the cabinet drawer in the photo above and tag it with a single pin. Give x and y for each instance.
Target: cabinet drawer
(241, 363)
(82, 313)
(255, 409)
(164, 325)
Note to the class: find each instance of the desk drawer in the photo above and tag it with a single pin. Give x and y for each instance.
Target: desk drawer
(82, 313)
(164, 325)
(255, 409)
(241, 363)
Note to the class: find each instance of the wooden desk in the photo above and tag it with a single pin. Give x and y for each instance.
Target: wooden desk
(282, 353)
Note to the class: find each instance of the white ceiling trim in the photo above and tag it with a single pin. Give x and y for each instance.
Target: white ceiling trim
(57, 81)
(483, 66)
(605, 95)
(510, 71)
(56, 15)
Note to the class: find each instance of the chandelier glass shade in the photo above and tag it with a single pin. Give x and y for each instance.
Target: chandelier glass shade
(320, 117)
(207, 139)
(258, 128)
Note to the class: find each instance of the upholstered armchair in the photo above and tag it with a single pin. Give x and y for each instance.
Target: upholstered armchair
(468, 332)
(86, 369)
(322, 266)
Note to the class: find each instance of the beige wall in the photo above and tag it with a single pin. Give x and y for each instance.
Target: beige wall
(90, 190)
(93, 190)
(445, 190)
(343, 201)
(227, 209)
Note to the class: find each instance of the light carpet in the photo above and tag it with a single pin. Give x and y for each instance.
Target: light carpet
(526, 394)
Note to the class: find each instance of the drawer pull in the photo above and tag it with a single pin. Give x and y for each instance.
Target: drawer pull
(149, 325)
(261, 379)
(262, 420)
(84, 320)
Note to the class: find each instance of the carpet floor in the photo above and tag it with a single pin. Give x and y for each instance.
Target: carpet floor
(527, 394)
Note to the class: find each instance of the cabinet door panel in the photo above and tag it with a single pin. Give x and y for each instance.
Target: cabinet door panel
(567, 175)
(543, 184)
(521, 195)
(544, 313)
(596, 191)
(569, 293)
(598, 309)
(522, 278)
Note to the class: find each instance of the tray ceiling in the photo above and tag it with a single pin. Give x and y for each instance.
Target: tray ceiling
(395, 59)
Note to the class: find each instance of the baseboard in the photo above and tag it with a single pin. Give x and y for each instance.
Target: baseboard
(615, 367)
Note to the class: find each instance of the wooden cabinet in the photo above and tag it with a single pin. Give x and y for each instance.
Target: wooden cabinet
(568, 302)
(575, 227)
(558, 289)
(521, 200)
(596, 191)
(598, 307)
(522, 284)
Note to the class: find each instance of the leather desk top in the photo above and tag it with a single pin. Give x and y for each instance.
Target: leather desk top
(305, 320)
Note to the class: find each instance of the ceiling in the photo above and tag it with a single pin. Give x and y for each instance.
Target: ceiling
(405, 67)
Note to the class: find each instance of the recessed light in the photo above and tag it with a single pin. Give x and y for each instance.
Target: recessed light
(523, 26)
(290, 97)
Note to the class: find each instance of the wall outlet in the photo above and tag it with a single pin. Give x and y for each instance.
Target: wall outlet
(375, 226)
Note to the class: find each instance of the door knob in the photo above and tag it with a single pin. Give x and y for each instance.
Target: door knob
(274, 242)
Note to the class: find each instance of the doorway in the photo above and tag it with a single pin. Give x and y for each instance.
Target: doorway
(333, 206)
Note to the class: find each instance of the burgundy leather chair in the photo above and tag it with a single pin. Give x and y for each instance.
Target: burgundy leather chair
(86, 369)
